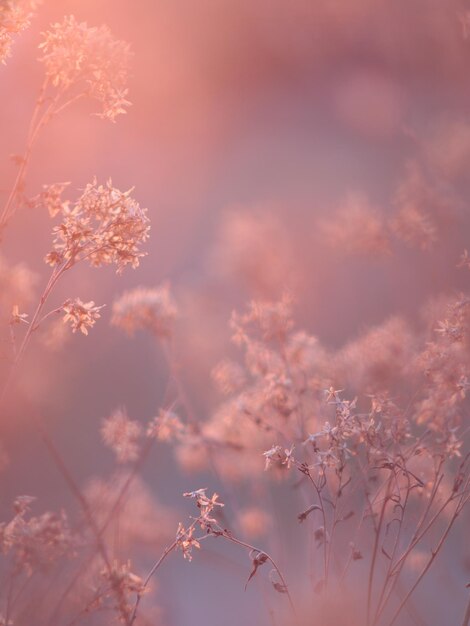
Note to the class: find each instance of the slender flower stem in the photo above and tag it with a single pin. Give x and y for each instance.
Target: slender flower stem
(155, 567)
(35, 128)
(375, 549)
(55, 276)
(434, 553)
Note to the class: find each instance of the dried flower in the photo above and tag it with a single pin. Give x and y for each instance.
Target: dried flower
(121, 583)
(273, 319)
(122, 435)
(146, 309)
(81, 315)
(357, 228)
(167, 426)
(105, 226)
(205, 505)
(17, 317)
(35, 541)
(423, 209)
(228, 376)
(15, 16)
(186, 542)
(51, 199)
(88, 59)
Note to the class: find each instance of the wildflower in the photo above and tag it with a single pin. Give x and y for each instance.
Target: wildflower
(277, 585)
(357, 229)
(81, 315)
(122, 583)
(452, 445)
(105, 226)
(289, 460)
(377, 358)
(167, 426)
(271, 455)
(205, 505)
(304, 514)
(201, 498)
(90, 60)
(229, 377)
(122, 576)
(423, 209)
(186, 542)
(463, 385)
(122, 434)
(273, 319)
(15, 16)
(146, 309)
(35, 541)
(319, 535)
(257, 559)
(17, 317)
(51, 199)
(332, 394)
(414, 226)
(303, 350)
(451, 331)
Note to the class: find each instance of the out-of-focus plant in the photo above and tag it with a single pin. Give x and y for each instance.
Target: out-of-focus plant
(79, 62)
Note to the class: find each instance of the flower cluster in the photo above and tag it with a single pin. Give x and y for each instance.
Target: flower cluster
(105, 226)
(357, 229)
(35, 542)
(423, 209)
(272, 319)
(88, 59)
(122, 434)
(81, 315)
(185, 539)
(167, 426)
(121, 584)
(146, 309)
(51, 199)
(15, 16)
(446, 367)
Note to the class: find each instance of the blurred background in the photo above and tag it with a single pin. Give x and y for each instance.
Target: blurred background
(276, 146)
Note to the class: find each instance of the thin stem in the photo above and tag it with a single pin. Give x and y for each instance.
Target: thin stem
(434, 553)
(33, 133)
(375, 549)
(325, 537)
(233, 539)
(387, 577)
(396, 569)
(165, 553)
(56, 274)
